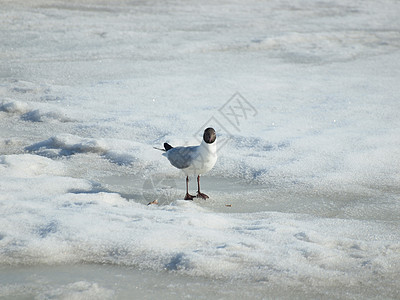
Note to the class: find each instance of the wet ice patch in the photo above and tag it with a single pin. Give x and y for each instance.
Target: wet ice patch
(75, 290)
(78, 290)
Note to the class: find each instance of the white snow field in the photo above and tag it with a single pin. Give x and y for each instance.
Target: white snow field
(304, 198)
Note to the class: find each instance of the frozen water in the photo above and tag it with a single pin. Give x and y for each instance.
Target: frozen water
(304, 198)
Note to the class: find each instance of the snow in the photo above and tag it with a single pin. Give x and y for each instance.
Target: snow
(303, 198)
(57, 219)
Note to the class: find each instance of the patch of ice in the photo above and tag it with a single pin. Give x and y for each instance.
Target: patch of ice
(77, 290)
(60, 220)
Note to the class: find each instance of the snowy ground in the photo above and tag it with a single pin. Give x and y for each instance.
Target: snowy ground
(305, 196)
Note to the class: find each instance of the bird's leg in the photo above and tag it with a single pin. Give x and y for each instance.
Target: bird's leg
(200, 194)
(188, 196)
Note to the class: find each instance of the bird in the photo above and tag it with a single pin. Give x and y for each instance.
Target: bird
(194, 160)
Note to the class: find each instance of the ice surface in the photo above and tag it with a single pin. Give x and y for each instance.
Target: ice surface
(64, 221)
(304, 198)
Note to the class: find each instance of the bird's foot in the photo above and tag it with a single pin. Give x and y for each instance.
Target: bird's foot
(202, 195)
(189, 197)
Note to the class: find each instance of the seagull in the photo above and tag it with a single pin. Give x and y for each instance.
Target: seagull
(194, 160)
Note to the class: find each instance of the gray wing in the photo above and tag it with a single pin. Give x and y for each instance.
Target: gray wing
(181, 157)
